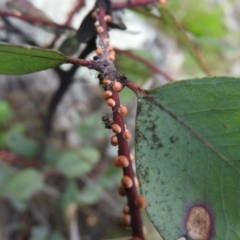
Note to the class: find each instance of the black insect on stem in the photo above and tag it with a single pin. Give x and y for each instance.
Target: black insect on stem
(123, 79)
(95, 58)
(107, 121)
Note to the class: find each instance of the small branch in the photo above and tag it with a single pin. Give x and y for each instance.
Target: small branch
(113, 85)
(146, 63)
(35, 20)
(75, 10)
(132, 3)
(135, 88)
(11, 158)
(81, 62)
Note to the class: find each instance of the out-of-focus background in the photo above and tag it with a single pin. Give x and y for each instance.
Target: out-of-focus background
(62, 184)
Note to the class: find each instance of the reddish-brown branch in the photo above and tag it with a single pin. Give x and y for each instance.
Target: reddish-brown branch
(131, 193)
(135, 88)
(71, 14)
(110, 73)
(11, 158)
(75, 10)
(80, 62)
(132, 3)
(34, 20)
(146, 63)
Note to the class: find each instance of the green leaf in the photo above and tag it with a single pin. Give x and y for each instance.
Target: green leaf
(24, 184)
(6, 172)
(187, 158)
(135, 70)
(5, 112)
(204, 20)
(170, 21)
(20, 144)
(40, 233)
(70, 194)
(69, 46)
(74, 164)
(90, 195)
(16, 60)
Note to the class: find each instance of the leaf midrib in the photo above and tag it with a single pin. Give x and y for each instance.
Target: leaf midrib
(36, 56)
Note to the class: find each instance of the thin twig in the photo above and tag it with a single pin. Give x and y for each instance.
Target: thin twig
(146, 63)
(129, 4)
(35, 20)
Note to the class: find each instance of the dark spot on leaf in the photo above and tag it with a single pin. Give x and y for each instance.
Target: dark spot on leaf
(173, 139)
(225, 126)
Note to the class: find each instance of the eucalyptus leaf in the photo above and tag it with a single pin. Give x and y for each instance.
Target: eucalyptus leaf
(74, 164)
(5, 112)
(169, 20)
(16, 60)
(20, 144)
(24, 184)
(187, 158)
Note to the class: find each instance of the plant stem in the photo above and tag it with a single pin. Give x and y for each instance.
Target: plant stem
(110, 73)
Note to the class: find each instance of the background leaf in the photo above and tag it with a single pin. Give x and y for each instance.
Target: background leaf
(170, 21)
(24, 184)
(187, 150)
(74, 164)
(16, 60)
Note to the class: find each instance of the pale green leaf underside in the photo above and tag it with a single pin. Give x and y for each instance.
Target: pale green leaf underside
(16, 60)
(188, 154)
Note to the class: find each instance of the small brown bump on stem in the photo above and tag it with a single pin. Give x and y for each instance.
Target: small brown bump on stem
(127, 182)
(132, 158)
(126, 220)
(106, 81)
(123, 110)
(127, 135)
(136, 238)
(113, 140)
(108, 18)
(123, 161)
(117, 86)
(121, 191)
(107, 94)
(110, 48)
(140, 202)
(100, 29)
(145, 231)
(116, 162)
(163, 1)
(106, 40)
(126, 209)
(97, 23)
(115, 127)
(111, 103)
(136, 182)
(94, 14)
(111, 57)
(99, 51)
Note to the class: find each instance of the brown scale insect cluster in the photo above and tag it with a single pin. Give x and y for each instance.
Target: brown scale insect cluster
(120, 132)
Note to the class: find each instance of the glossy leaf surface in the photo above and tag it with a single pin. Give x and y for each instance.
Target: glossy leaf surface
(16, 60)
(187, 158)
